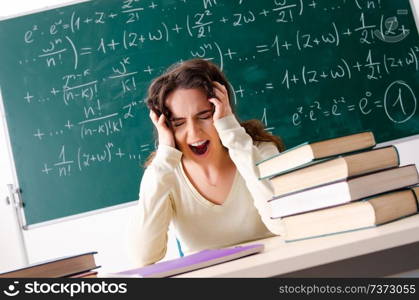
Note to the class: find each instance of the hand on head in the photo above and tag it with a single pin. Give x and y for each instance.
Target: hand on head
(222, 109)
(165, 133)
(220, 101)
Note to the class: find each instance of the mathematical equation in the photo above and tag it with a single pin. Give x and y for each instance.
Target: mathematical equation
(370, 68)
(386, 28)
(81, 159)
(399, 103)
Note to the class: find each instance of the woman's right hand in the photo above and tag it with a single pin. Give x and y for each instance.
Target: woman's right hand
(165, 133)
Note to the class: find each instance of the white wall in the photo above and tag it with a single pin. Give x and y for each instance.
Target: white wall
(100, 232)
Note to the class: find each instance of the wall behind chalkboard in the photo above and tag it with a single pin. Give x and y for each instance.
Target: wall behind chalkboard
(73, 80)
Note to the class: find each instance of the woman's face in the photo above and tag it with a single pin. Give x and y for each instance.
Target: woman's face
(192, 124)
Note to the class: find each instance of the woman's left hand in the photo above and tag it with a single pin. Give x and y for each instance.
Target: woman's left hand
(221, 101)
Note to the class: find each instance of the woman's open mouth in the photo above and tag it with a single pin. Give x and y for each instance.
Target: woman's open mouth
(200, 148)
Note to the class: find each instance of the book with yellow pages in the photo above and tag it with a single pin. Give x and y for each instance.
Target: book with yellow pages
(343, 191)
(334, 169)
(369, 212)
(58, 267)
(310, 151)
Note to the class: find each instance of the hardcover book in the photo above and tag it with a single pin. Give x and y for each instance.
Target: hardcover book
(310, 151)
(344, 191)
(370, 212)
(191, 262)
(58, 267)
(335, 169)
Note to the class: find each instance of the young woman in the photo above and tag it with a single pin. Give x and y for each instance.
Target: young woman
(202, 176)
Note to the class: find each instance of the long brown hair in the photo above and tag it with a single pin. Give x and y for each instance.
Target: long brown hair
(199, 74)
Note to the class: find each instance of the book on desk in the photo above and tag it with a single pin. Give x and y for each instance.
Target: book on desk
(367, 213)
(81, 265)
(199, 260)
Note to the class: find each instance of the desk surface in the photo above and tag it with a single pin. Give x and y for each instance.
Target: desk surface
(280, 257)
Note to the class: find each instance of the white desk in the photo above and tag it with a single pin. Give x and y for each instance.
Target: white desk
(363, 247)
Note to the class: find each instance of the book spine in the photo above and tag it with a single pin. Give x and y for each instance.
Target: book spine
(416, 198)
(398, 154)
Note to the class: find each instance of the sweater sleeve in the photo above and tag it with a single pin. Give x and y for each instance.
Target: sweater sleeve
(148, 228)
(245, 155)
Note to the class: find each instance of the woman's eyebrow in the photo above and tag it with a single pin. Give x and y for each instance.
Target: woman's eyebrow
(198, 114)
(204, 112)
(176, 119)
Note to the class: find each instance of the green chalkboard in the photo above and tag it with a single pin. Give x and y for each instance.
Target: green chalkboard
(73, 80)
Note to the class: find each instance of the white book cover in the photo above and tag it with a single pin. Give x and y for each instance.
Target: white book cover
(323, 196)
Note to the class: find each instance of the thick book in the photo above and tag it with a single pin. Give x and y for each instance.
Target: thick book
(367, 213)
(343, 191)
(310, 151)
(54, 268)
(335, 169)
(202, 259)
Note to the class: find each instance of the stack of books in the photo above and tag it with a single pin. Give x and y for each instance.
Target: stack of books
(75, 266)
(338, 185)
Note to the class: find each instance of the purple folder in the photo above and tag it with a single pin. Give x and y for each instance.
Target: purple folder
(191, 262)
